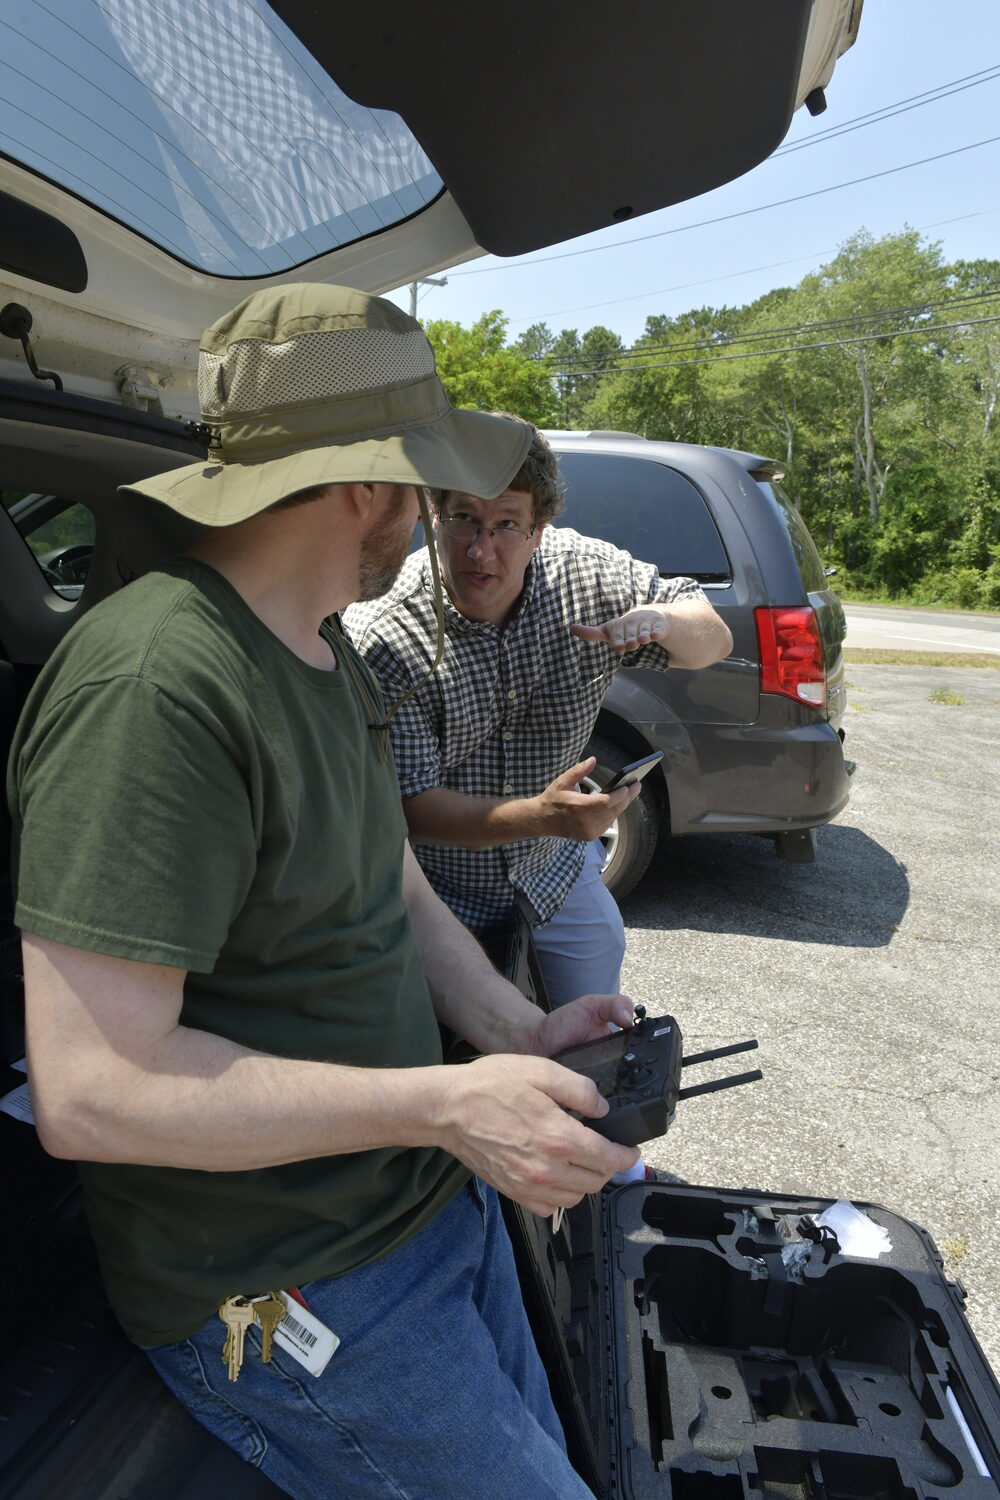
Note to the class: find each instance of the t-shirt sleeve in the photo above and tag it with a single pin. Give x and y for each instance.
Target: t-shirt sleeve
(134, 827)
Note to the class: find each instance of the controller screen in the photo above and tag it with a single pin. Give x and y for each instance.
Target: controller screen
(600, 1059)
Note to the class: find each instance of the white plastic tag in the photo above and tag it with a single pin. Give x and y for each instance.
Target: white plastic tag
(301, 1334)
(18, 1104)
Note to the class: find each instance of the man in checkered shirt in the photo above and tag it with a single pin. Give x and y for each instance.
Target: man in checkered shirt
(488, 750)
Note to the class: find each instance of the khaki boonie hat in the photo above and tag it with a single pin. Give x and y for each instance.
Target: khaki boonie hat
(310, 384)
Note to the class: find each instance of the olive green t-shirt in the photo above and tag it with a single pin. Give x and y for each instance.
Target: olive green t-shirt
(187, 791)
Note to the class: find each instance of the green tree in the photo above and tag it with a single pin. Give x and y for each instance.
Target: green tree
(535, 342)
(563, 355)
(579, 367)
(660, 389)
(883, 364)
(871, 382)
(482, 372)
(978, 344)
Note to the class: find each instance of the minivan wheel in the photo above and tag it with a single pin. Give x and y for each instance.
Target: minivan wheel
(631, 839)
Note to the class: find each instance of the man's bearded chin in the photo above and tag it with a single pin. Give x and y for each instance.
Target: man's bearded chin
(382, 556)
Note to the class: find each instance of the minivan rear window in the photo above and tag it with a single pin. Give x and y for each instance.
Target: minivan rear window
(647, 509)
(205, 126)
(808, 559)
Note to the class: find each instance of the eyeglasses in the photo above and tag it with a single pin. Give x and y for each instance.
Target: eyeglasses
(504, 534)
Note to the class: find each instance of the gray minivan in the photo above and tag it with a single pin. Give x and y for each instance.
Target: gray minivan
(753, 744)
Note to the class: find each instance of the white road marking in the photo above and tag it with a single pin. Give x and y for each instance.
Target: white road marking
(929, 640)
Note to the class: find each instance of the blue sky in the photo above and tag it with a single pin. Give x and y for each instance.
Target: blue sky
(904, 48)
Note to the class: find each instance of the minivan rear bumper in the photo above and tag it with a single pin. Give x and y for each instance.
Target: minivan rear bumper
(783, 776)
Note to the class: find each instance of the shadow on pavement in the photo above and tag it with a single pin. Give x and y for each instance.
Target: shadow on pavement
(854, 896)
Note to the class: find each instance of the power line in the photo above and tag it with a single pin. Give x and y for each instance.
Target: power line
(773, 265)
(889, 111)
(665, 291)
(725, 218)
(865, 338)
(755, 335)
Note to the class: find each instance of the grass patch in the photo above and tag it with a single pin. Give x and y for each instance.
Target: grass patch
(943, 694)
(954, 1250)
(858, 656)
(938, 606)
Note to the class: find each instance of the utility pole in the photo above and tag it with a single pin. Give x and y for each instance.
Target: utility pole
(423, 281)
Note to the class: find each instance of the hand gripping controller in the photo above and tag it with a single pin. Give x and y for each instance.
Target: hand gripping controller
(638, 1071)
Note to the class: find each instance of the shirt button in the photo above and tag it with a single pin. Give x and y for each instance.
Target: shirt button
(508, 734)
(512, 694)
(508, 788)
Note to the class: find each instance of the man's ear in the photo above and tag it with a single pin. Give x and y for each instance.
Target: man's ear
(359, 497)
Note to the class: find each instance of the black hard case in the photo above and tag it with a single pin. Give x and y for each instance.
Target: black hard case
(688, 1365)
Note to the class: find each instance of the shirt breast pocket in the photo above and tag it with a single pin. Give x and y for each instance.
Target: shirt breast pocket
(564, 712)
(474, 711)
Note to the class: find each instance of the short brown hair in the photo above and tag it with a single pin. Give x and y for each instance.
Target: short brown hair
(538, 475)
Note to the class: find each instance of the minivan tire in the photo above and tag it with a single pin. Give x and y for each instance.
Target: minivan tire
(632, 838)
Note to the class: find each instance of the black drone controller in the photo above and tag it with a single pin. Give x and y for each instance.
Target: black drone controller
(638, 1071)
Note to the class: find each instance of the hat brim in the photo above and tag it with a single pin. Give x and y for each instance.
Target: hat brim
(471, 451)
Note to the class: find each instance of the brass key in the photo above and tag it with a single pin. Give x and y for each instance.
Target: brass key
(237, 1314)
(270, 1310)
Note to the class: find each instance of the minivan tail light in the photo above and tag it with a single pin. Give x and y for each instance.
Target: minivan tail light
(791, 655)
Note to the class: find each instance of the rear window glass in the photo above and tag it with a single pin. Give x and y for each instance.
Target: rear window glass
(207, 128)
(808, 559)
(647, 509)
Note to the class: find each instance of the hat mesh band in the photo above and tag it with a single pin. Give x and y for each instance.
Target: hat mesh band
(254, 375)
(255, 437)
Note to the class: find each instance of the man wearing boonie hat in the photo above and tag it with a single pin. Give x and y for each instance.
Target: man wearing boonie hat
(234, 981)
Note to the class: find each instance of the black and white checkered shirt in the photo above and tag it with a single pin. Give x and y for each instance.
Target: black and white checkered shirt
(508, 710)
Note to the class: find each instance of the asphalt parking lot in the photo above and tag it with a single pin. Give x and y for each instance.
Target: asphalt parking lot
(870, 978)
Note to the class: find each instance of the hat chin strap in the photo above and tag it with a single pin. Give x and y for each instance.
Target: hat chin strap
(425, 517)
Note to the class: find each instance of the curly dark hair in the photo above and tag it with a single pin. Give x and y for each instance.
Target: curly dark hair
(538, 475)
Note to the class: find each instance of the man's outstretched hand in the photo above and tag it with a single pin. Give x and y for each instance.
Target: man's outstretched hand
(628, 632)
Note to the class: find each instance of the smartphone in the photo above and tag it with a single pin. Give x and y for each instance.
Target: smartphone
(634, 772)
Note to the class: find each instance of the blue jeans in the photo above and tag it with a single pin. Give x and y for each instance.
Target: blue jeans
(581, 948)
(435, 1393)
